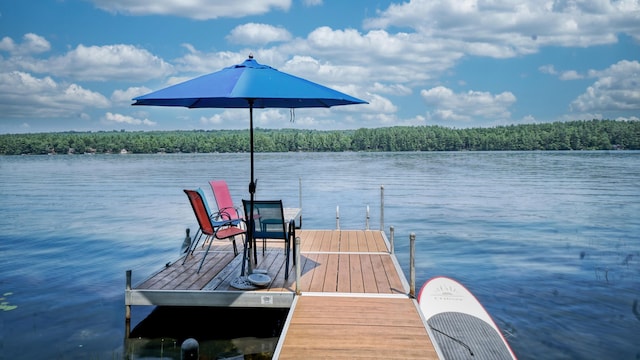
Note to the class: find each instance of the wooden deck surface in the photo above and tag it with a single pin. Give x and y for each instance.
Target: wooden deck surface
(331, 261)
(322, 327)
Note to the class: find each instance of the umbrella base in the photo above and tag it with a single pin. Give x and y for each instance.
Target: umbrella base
(243, 283)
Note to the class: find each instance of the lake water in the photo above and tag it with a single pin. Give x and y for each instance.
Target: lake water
(549, 242)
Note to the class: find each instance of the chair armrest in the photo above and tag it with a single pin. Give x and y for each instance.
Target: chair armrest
(219, 223)
(226, 211)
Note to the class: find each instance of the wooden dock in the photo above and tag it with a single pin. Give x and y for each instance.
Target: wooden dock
(353, 327)
(353, 297)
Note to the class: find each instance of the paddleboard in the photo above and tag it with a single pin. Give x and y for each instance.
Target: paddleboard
(460, 326)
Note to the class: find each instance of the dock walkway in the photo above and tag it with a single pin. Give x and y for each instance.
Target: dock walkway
(353, 298)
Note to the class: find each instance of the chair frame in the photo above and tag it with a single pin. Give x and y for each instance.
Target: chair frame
(224, 229)
(288, 232)
(226, 208)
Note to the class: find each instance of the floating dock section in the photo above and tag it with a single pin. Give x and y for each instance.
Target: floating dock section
(347, 295)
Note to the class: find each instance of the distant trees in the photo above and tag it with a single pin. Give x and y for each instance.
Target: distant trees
(574, 135)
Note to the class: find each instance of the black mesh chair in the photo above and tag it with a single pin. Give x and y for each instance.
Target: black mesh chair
(269, 223)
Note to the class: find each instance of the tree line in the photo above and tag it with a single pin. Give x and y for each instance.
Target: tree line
(573, 135)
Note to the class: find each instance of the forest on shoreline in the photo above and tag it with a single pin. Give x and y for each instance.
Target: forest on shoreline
(572, 135)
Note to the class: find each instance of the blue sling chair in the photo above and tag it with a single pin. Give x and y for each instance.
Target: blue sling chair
(269, 223)
(211, 228)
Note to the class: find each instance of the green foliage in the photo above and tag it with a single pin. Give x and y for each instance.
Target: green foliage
(574, 135)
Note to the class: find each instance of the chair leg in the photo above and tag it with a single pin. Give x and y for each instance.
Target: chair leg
(235, 248)
(245, 248)
(198, 234)
(196, 243)
(292, 239)
(287, 252)
(205, 253)
(192, 247)
(255, 252)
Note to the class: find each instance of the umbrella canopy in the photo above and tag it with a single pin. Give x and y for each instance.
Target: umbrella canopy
(247, 85)
(238, 85)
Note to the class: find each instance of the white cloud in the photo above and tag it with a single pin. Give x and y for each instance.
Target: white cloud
(262, 118)
(380, 105)
(312, 2)
(253, 33)
(505, 29)
(382, 55)
(326, 73)
(393, 89)
(215, 119)
(570, 75)
(548, 69)
(565, 75)
(229, 119)
(376, 56)
(123, 97)
(194, 9)
(118, 62)
(325, 37)
(385, 120)
(472, 105)
(271, 118)
(616, 88)
(627, 118)
(24, 95)
(104, 63)
(111, 118)
(198, 62)
(33, 44)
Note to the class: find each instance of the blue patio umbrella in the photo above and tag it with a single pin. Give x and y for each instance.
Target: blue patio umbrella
(247, 85)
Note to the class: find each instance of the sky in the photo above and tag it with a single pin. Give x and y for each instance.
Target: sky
(75, 65)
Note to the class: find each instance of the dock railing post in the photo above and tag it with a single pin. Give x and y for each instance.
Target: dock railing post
(382, 207)
(412, 266)
(127, 307)
(392, 232)
(367, 219)
(298, 271)
(300, 202)
(337, 217)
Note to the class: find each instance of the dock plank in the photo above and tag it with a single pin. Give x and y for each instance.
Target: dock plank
(312, 241)
(393, 277)
(368, 275)
(307, 269)
(356, 271)
(318, 273)
(333, 240)
(344, 274)
(329, 267)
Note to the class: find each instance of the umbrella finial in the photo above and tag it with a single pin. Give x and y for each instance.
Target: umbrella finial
(250, 55)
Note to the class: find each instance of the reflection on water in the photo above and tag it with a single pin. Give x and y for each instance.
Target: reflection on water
(168, 348)
(222, 333)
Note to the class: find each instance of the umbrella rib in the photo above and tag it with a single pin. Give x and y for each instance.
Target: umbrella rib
(193, 104)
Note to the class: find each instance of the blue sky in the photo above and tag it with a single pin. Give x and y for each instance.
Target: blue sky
(72, 65)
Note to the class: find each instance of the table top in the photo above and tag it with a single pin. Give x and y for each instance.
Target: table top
(291, 213)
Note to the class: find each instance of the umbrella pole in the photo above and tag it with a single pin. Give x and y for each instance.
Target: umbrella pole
(252, 191)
